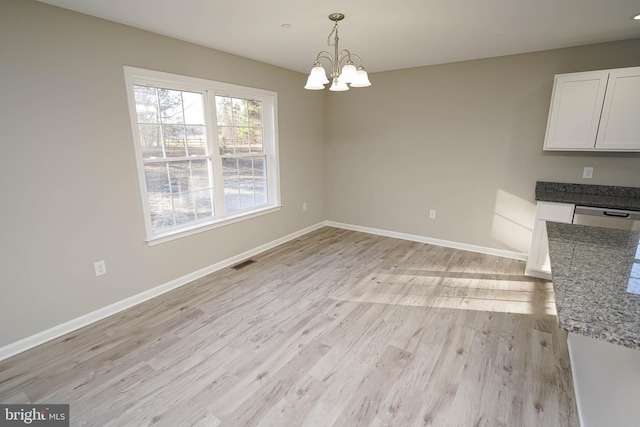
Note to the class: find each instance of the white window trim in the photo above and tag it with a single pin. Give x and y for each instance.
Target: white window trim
(133, 75)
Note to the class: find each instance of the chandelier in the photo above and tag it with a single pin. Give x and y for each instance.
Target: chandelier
(349, 76)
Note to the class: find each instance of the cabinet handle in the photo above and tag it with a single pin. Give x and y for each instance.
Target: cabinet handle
(616, 214)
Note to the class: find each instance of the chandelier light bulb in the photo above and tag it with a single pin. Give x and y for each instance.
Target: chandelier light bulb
(338, 86)
(317, 78)
(318, 74)
(361, 79)
(349, 72)
(313, 85)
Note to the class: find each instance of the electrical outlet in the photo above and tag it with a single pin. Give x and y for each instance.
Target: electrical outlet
(587, 173)
(100, 267)
(432, 214)
(304, 206)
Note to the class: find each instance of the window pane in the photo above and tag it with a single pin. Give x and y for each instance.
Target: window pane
(157, 180)
(179, 192)
(174, 140)
(196, 140)
(223, 111)
(245, 184)
(225, 140)
(203, 202)
(180, 176)
(200, 175)
(255, 113)
(241, 140)
(157, 177)
(193, 108)
(183, 207)
(170, 106)
(239, 125)
(231, 200)
(255, 140)
(248, 180)
(245, 168)
(150, 141)
(146, 104)
(161, 211)
(240, 112)
(231, 185)
(260, 181)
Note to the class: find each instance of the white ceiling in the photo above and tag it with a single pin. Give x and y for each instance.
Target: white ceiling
(388, 36)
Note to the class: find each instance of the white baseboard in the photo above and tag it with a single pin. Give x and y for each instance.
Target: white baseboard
(539, 274)
(79, 322)
(431, 241)
(84, 320)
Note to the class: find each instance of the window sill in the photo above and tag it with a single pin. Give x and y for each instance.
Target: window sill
(199, 228)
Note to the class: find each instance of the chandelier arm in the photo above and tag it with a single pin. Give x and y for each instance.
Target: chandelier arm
(345, 54)
(324, 55)
(358, 58)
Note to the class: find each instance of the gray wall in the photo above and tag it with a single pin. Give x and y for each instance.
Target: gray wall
(68, 182)
(465, 139)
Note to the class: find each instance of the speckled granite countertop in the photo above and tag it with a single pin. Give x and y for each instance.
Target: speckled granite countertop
(599, 196)
(596, 278)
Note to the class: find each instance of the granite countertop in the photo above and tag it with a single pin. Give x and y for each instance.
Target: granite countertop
(596, 278)
(599, 196)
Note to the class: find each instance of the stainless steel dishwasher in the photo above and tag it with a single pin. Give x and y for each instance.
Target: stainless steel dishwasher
(608, 218)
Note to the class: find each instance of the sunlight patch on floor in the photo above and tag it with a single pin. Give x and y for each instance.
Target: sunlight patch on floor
(491, 294)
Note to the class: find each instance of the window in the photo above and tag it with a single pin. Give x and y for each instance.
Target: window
(206, 151)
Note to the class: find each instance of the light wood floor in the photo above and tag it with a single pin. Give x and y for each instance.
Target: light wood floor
(334, 328)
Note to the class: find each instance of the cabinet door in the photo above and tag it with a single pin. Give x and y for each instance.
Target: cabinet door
(538, 260)
(538, 263)
(620, 123)
(574, 114)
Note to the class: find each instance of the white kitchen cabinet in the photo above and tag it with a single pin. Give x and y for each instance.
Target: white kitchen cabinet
(595, 111)
(620, 121)
(538, 263)
(574, 113)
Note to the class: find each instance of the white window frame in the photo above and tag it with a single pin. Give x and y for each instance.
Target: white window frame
(210, 89)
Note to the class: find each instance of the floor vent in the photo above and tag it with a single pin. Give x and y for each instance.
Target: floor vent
(242, 264)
